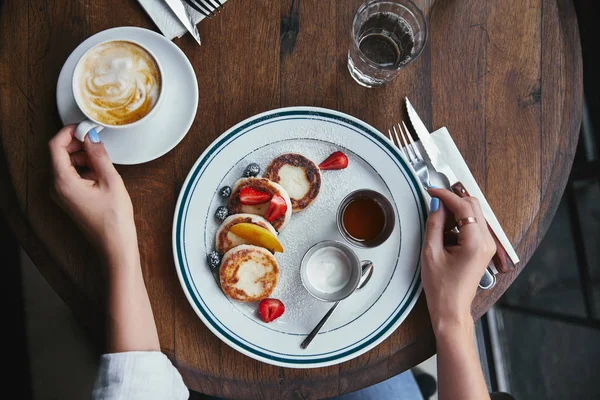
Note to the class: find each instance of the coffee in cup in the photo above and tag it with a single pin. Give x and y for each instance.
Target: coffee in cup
(116, 84)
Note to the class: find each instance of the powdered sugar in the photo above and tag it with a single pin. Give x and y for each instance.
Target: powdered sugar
(314, 224)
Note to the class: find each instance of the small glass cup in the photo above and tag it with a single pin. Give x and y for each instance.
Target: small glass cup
(386, 208)
(386, 36)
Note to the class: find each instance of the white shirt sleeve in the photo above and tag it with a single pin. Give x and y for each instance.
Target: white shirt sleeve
(147, 375)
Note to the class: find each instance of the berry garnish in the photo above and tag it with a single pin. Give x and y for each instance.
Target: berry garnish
(270, 309)
(225, 191)
(252, 169)
(336, 160)
(250, 196)
(214, 259)
(277, 207)
(221, 213)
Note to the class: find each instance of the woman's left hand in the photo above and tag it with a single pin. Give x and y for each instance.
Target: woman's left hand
(89, 188)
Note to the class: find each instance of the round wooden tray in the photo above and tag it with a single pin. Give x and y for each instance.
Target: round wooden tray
(504, 77)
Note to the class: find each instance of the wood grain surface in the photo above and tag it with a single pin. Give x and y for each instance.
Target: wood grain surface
(503, 75)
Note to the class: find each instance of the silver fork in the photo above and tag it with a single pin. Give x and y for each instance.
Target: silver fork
(204, 6)
(196, 7)
(407, 147)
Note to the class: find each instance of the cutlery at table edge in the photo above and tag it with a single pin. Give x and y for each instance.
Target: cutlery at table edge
(407, 147)
(501, 260)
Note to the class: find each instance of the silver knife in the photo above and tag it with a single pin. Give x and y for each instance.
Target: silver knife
(182, 14)
(501, 260)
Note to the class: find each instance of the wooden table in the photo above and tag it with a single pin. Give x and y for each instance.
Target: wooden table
(503, 75)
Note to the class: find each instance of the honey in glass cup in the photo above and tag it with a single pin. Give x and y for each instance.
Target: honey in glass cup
(365, 218)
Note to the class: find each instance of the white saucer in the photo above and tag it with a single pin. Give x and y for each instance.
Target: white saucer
(162, 131)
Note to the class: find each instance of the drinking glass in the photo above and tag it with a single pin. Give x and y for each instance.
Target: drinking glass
(386, 36)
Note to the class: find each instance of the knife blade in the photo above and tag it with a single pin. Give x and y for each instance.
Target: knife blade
(501, 260)
(182, 14)
(436, 158)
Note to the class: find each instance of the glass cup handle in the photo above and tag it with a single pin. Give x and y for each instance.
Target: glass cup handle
(84, 127)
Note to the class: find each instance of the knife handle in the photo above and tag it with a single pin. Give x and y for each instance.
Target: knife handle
(501, 260)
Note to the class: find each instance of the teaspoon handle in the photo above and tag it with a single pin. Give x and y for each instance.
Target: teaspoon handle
(314, 332)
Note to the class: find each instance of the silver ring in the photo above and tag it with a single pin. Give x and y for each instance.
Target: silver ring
(464, 221)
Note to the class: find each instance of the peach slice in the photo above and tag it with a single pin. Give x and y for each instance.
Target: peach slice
(257, 235)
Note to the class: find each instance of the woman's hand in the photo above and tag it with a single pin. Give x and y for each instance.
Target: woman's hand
(452, 271)
(89, 188)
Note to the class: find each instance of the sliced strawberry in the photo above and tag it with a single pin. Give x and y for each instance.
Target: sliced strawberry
(250, 196)
(337, 160)
(277, 207)
(270, 309)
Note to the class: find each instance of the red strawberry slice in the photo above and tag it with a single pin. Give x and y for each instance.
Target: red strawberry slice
(276, 209)
(250, 196)
(270, 309)
(337, 160)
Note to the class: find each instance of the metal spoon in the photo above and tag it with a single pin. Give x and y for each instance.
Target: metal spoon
(367, 272)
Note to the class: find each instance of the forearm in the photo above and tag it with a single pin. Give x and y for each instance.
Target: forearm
(459, 371)
(131, 324)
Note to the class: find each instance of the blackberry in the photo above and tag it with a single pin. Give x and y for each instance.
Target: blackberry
(252, 170)
(225, 191)
(214, 259)
(221, 213)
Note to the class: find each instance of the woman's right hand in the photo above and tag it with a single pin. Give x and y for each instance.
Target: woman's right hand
(452, 271)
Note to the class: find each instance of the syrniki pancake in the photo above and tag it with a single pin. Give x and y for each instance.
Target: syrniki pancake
(225, 240)
(263, 185)
(298, 175)
(248, 273)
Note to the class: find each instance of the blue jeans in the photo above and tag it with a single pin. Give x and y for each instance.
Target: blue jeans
(399, 387)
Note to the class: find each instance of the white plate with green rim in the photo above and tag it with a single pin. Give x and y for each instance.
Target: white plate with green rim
(363, 320)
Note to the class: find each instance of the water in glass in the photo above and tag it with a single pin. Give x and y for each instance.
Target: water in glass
(386, 36)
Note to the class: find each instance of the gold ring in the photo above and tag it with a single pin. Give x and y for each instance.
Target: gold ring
(464, 221)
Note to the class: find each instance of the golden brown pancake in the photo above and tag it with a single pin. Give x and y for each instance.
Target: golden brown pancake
(225, 240)
(299, 176)
(264, 185)
(248, 273)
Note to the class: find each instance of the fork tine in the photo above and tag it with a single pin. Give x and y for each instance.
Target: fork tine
(397, 145)
(215, 5)
(412, 143)
(220, 4)
(403, 144)
(390, 138)
(407, 147)
(200, 3)
(409, 142)
(399, 142)
(389, 135)
(210, 4)
(197, 8)
(207, 5)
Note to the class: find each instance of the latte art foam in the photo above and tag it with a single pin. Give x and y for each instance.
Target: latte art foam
(118, 83)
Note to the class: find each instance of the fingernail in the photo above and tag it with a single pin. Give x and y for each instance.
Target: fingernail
(93, 135)
(434, 205)
(431, 187)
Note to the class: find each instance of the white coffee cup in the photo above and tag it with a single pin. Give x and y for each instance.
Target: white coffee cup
(90, 122)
